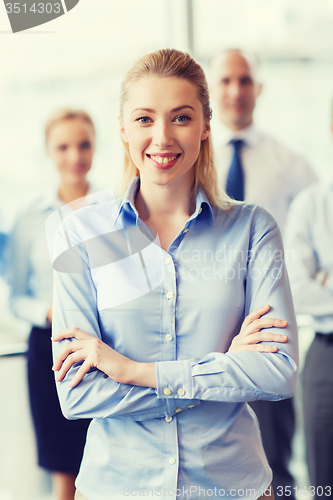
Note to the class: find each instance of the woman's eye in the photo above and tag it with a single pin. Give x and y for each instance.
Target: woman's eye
(62, 147)
(182, 118)
(144, 120)
(85, 145)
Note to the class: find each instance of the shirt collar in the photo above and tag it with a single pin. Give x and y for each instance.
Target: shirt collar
(250, 134)
(127, 206)
(203, 208)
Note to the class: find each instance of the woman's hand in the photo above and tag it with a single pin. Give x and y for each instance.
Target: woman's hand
(96, 354)
(250, 334)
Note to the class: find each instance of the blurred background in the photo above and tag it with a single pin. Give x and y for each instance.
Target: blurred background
(79, 60)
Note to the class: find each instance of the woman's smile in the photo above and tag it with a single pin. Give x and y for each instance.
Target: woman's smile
(164, 160)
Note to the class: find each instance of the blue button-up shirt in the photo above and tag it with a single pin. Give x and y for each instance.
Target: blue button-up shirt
(194, 435)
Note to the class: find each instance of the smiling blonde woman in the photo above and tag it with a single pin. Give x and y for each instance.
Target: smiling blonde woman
(162, 342)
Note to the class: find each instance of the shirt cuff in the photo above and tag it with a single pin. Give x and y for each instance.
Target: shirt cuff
(174, 379)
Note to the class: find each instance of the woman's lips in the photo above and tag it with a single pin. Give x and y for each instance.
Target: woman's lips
(164, 161)
(78, 168)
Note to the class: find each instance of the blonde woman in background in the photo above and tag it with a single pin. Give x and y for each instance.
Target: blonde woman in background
(166, 348)
(70, 143)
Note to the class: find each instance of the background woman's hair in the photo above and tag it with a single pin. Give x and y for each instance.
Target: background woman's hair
(171, 63)
(67, 114)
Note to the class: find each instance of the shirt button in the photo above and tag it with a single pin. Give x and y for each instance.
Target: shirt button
(168, 260)
(185, 230)
(200, 210)
(168, 419)
(181, 392)
(172, 460)
(177, 410)
(168, 337)
(169, 295)
(191, 406)
(167, 391)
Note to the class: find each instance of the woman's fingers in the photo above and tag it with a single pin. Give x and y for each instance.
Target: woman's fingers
(255, 322)
(254, 331)
(65, 352)
(254, 338)
(253, 341)
(70, 333)
(256, 314)
(70, 360)
(257, 346)
(259, 324)
(82, 371)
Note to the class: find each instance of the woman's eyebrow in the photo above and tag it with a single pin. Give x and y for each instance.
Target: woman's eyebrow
(149, 110)
(174, 110)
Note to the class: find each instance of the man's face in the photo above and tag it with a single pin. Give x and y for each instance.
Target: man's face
(235, 90)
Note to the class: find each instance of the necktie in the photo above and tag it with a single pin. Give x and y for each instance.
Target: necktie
(235, 180)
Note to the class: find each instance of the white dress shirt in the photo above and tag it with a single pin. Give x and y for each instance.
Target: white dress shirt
(28, 268)
(273, 174)
(309, 244)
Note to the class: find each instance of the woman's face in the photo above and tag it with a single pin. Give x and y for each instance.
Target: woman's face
(163, 124)
(71, 145)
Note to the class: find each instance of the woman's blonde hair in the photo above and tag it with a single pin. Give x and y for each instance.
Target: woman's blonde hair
(67, 114)
(171, 63)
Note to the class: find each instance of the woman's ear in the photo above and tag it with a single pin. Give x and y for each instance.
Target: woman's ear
(205, 132)
(122, 131)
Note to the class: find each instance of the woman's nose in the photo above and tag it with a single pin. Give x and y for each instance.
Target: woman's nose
(162, 135)
(74, 154)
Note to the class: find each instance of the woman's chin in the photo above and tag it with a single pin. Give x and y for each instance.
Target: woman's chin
(73, 178)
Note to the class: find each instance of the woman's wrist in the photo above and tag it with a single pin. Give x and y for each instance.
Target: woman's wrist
(143, 375)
